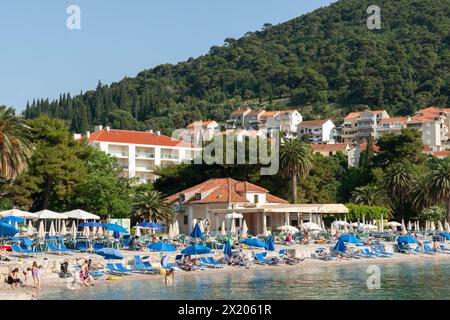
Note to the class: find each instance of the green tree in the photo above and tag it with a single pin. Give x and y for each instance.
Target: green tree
(439, 184)
(15, 144)
(150, 206)
(295, 160)
(370, 195)
(104, 190)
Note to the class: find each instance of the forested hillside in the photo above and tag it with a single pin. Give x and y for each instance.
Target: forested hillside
(325, 58)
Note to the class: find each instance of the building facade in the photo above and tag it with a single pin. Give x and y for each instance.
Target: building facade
(139, 153)
(318, 131)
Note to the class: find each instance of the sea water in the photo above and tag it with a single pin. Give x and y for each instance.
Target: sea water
(427, 279)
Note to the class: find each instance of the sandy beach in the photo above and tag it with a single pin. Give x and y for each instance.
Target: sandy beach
(50, 277)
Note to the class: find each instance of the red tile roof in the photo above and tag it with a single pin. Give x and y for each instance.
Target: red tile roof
(427, 148)
(329, 147)
(313, 123)
(239, 112)
(221, 190)
(352, 115)
(421, 120)
(135, 137)
(441, 153)
(375, 147)
(200, 123)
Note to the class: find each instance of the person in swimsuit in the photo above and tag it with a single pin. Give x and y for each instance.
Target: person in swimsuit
(13, 279)
(36, 274)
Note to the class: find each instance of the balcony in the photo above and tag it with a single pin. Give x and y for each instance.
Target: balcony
(119, 154)
(169, 156)
(144, 168)
(145, 155)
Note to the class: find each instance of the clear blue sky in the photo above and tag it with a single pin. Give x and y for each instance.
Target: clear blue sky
(40, 57)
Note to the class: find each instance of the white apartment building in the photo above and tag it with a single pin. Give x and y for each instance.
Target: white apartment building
(367, 123)
(289, 120)
(237, 118)
(199, 131)
(431, 130)
(392, 125)
(252, 120)
(139, 153)
(350, 127)
(318, 131)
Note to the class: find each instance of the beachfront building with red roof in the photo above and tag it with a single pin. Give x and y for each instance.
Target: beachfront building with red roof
(430, 129)
(212, 200)
(318, 131)
(138, 152)
(392, 125)
(237, 117)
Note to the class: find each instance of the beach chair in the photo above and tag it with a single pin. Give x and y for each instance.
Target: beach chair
(261, 259)
(216, 263)
(206, 263)
(404, 248)
(63, 248)
(98, 246)
(366, 252)
(82, 246)
(140, 266)
(51, 247)
(380, 250)
(167, 265)
(428, 250)
(15, 248)
(121, 268)
(112, 269)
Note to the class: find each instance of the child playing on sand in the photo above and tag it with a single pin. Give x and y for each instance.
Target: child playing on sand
(36, 274)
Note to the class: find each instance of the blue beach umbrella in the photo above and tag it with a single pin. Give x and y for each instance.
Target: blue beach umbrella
(150, 225)
(161, 247)
(114, 227)
(255, 243)
(227, 248)
(196, 233)
(350, 239)
(445, 235)
(7, 230)
(110, 253)
(340, 246)
(12, 219)
(196, 249)
(407, 239)
(270, 243)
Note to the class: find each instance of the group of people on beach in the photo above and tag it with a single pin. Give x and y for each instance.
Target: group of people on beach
(15, 281)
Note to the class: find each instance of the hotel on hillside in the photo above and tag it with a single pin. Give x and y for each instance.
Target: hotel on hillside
(139, 152)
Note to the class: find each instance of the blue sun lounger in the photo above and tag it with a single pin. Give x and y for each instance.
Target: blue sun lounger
(52, 248)
(82, 246)
(63, 248)
(17, 249)
(140, 266)
(167, 265)
(261, 259)
(121, 268)
(112, 269)
(380, 250)
(214, 262)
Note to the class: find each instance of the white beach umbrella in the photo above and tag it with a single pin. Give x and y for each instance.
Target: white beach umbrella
(100, 232)
(48, 214)
(223, 232)
(440, 227)
(322, 224)
(234, 215)
(404, 227)
(265, 232)
(137, 231)
(86, 232)
(394, 224)
(73, 230)
(340, 223)
(18, 213)
(311, 226)
(63, 230)
(52, 231)
(81, 215)
(409, 226)
(333, 229)
(194, 222)
(41, 231)
(287, 228)
(30, 230)
(233, 227)
(345, 228)
(176, 230)
(432, 226)
(244, 230)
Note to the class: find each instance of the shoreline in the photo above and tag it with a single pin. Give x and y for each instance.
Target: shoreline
(35, 294)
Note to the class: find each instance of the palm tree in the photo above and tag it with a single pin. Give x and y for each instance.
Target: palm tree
(399, 181)
(150, 206)
(295, 160)
(15, 143)
(370, 195)
(439, 184)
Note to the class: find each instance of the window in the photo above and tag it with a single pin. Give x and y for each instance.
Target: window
(330, 153)
(182, 198)
(185, 220)
(255, 198)
(198, 196)
(268, 221)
